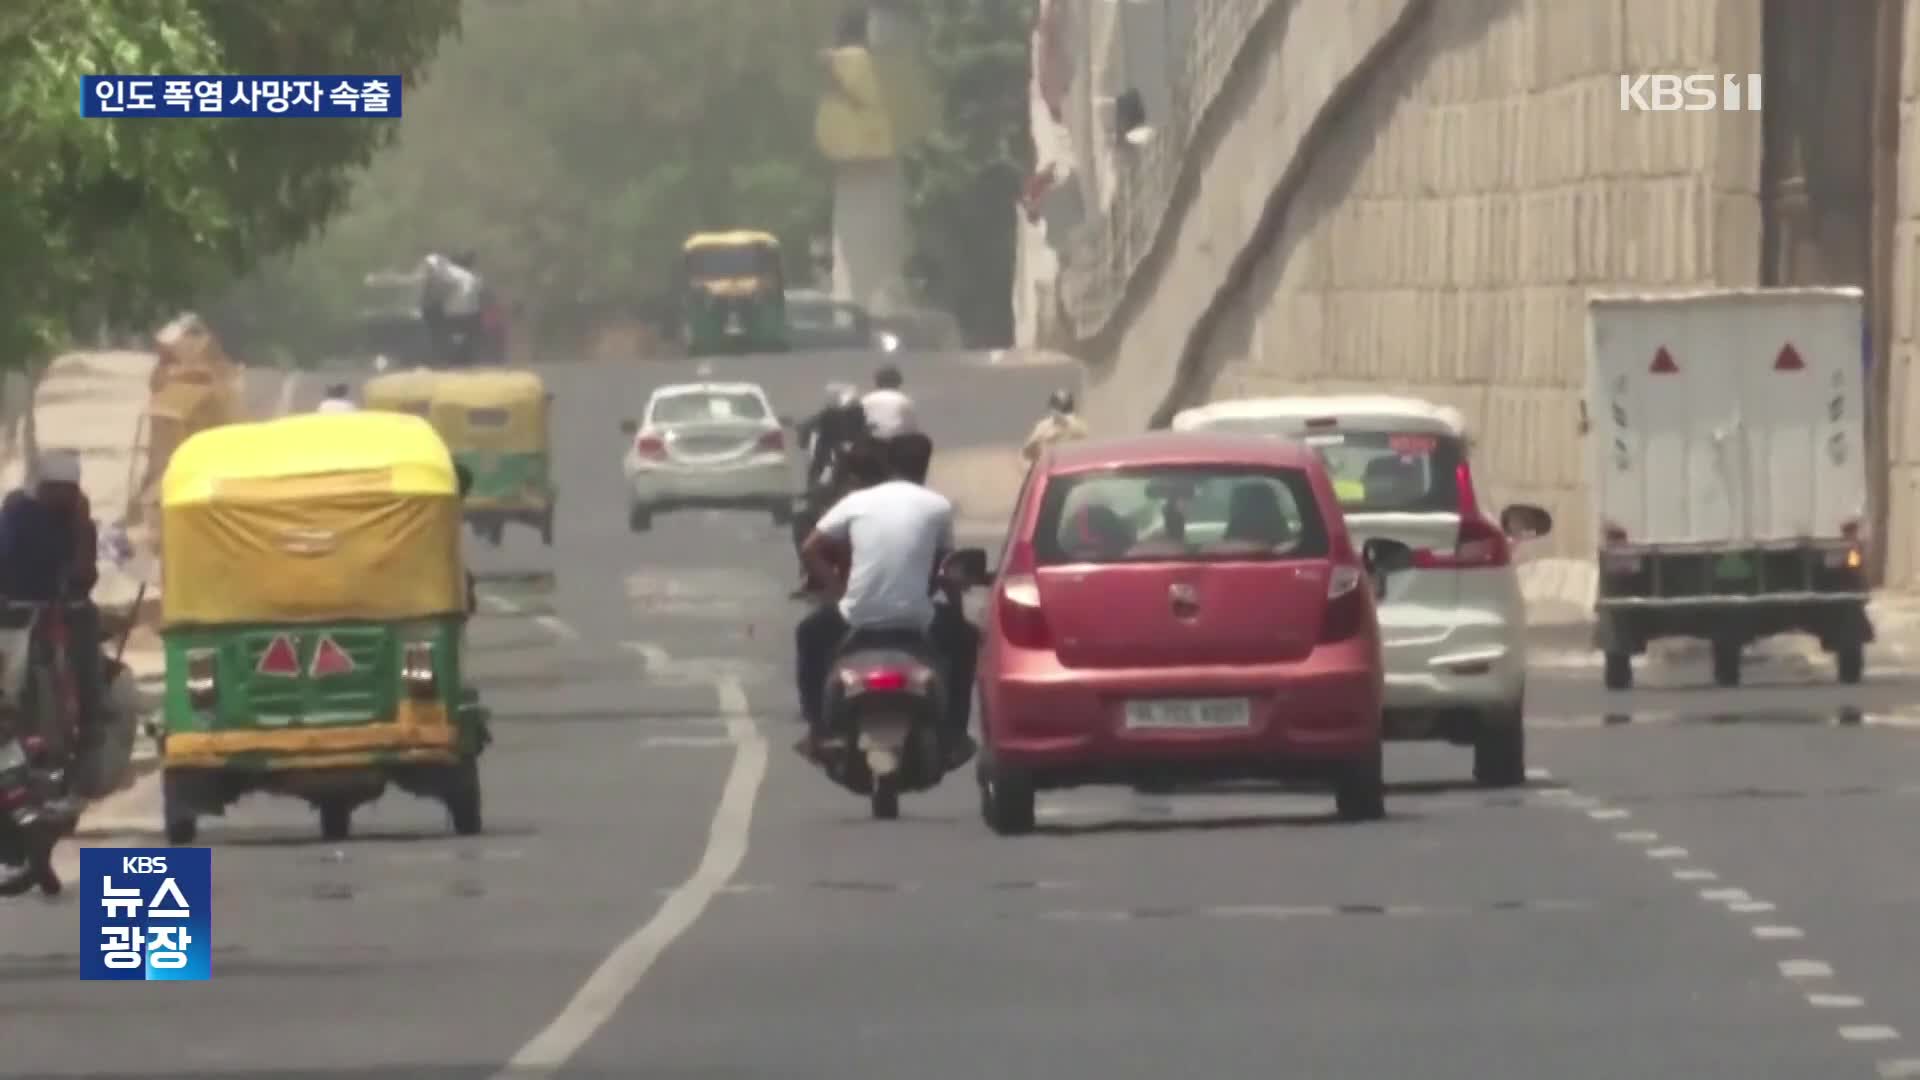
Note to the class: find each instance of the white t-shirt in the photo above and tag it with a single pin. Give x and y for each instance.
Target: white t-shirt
(459, 288)
(335, 404)
(889, 413)
(896, 530)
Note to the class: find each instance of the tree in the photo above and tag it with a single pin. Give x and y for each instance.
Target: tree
(965, 178)
(120, 219)
(577, 179)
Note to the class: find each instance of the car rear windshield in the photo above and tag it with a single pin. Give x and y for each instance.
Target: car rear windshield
(708, 407)
(1379, 472)
(1179, 514)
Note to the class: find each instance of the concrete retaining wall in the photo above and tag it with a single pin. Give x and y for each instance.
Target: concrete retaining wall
(1419, 194)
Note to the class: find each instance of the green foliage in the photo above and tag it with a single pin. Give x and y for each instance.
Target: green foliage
(965, 177)
(122, 219)
(574, 146)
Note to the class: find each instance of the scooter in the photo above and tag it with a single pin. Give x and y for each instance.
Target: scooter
(885, 702)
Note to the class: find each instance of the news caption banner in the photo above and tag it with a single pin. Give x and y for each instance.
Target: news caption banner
(146, 914)
(289, 96)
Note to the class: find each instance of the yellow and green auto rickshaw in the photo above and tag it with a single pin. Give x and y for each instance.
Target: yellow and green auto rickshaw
(495, 423)
(312, 611)
(401, 391)
(735, 293)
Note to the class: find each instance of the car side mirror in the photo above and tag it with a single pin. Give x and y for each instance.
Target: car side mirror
(1524, 521)
(1382, 557)
(969, 565)
(629, 427)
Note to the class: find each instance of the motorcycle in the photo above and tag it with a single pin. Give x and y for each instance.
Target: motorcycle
(34, 816)
(886, 697)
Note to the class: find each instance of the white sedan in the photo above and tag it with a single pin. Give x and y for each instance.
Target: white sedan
(1455, 629)
(710, 445)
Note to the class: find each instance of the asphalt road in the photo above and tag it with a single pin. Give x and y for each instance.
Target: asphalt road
(1723, 885)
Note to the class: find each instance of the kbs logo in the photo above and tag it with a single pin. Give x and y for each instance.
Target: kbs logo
(1689, 93)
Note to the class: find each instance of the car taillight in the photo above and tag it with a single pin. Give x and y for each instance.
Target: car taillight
(203, 667)
(1346, 611)
(772, 440)
(1479, 545)
(650, 446)
(416, 668)
(1022, 622)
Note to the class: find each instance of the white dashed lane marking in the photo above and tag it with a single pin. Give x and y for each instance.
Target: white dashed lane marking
(1739, 902)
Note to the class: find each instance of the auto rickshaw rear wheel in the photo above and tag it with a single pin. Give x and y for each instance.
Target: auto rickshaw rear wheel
(336, 819)
(463, 797)
(182, 825)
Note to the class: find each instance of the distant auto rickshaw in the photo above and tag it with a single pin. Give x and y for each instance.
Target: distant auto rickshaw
(735, 293)
(495, 423)
(402, 392)
(312, 618)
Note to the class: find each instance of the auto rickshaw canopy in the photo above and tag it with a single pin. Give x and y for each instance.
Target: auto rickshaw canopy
(491, 410)
(757, 268)
(315, 517)
(401, 391)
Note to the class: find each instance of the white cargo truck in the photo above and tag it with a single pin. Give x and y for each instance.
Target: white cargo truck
(1726, 460)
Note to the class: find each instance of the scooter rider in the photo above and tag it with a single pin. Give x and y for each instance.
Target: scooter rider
(892, 536)
(840, 423)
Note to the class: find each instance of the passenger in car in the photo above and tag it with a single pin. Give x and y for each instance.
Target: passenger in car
(1256, 518)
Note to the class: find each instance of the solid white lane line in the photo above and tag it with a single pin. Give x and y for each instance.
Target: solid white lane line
(621, 972)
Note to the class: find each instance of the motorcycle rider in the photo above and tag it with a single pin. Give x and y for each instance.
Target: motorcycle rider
(889, 411)
(836, 429)
(450, 299)
(839, 424)
(1061, 424)
(49, 554)
(891, 537)
(339, 399)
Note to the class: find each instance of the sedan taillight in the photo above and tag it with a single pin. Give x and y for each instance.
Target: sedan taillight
(650, 446)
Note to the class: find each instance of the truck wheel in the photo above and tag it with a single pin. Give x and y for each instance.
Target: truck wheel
(1619, 675)
(1500, 749)
(463, 798)
(1360, 794)
(1006, 802)
(639, 518)
(1850, 661)
(1726, 663)
(336, 820)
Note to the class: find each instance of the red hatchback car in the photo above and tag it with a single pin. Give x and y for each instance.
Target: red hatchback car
(1181, 607)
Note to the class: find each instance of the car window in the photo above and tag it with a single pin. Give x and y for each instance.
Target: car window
(1378, 472)
(705, 406)
(1179, 514)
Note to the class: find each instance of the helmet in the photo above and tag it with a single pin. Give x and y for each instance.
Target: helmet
(1060, 401)
(888, 377)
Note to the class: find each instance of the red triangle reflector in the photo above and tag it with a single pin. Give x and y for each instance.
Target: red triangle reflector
(329, 659)
(1663, 363)
(281, 659)
(1789, 359)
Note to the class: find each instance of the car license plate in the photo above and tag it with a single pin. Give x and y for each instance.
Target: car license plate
(1202, 714)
